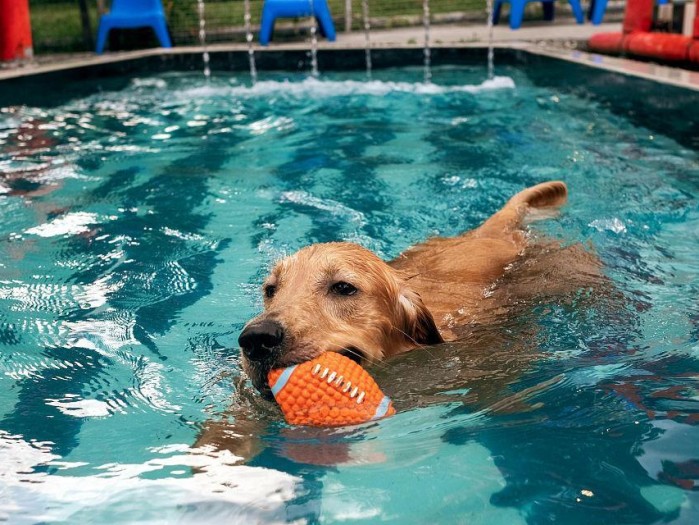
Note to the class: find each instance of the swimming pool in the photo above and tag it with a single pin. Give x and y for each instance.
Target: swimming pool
(138, 223)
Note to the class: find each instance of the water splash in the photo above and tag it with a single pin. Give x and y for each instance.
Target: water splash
(249, 37)
(427, 52)
(367, 42)
(201, 8)
(316, 88)
(491, 51)
(314, 41)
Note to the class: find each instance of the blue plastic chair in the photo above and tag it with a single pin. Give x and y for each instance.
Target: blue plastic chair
(130, 14)
(273, 9)
(517, 11)
(597, 9)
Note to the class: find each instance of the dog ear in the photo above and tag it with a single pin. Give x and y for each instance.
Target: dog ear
(418, 323)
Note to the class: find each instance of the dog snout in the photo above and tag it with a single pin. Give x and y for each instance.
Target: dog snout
(259, 340)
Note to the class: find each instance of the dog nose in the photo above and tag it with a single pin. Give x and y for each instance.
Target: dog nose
(259, 339)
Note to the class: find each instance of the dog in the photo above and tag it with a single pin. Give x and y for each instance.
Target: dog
(341, 297)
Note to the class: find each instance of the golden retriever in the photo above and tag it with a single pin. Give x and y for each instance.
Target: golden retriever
(341, 297)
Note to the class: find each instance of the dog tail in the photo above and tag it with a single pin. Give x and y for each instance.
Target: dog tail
(536, 202)
(552, 194)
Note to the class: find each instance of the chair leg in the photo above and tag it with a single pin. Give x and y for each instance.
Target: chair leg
(266, 27)
(102, 33)
(160, 28)
(577, 11)
(516, 14)
(598, 9)
(496, 12)
(325, 22)
(548, 11)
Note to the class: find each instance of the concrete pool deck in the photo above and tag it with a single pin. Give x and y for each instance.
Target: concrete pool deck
(563, 32)
(562, 39)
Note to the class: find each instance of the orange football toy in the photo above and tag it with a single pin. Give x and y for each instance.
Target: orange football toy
(328, 391)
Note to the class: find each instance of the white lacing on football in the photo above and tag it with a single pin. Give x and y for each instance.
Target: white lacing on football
(339, 382)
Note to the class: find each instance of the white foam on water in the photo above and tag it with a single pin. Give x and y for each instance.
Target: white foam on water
(148, 82)
(614, 225)
(322, 88)
(313, 87)
(69, 224)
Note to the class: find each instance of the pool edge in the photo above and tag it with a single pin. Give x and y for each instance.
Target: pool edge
(646, 70)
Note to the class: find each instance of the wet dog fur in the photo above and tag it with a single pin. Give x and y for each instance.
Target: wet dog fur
(341, 297)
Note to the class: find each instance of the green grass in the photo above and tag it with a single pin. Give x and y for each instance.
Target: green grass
(230, 12)
(56, 25)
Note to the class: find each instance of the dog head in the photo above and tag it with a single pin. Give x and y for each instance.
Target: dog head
(335, 297)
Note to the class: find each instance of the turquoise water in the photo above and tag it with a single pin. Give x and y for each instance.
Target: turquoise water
(137, 226)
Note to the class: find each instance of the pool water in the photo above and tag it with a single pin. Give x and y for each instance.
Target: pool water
(137, 226)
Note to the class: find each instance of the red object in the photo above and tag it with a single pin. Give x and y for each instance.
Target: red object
(638, 15)
(15, 30)
(694, 51)
(667, 46)
(694, 48)
(330, 390)
(637, 39)
(607, 42)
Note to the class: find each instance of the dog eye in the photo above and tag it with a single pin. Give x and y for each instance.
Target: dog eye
(270, 290)
(343, 288)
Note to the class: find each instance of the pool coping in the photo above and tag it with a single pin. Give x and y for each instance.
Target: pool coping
(675, 76)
